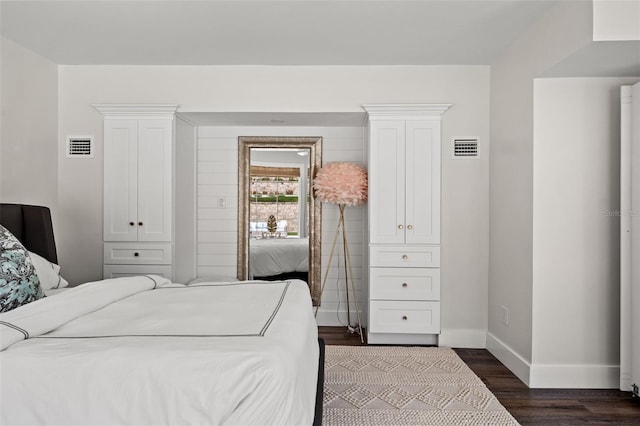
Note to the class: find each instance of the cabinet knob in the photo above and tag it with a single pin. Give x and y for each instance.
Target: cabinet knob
(409, 226)
(139, 223)
(405, 257)
(404, 285)
(404, 318)
(136, 254)
(400, 227)
(131, 223)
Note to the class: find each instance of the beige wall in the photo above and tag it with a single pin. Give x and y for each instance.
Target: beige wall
(576, 234)
(554, 172)
(547, 42)
(29, 135)
(295, 89)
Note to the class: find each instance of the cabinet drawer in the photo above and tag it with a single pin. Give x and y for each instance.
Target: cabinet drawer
(404, 283)
(404, 256)
(404, 317)
(117, 271)
(137, 253)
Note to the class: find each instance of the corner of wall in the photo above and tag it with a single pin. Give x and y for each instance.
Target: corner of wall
(510, 358)
(463, 338)
(545, 43)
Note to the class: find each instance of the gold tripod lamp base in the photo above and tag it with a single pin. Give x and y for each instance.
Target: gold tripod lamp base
(340, 229)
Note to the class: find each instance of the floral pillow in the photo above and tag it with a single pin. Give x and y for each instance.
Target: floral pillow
(19, 283)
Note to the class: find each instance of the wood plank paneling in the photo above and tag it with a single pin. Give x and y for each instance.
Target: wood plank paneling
(217, 164)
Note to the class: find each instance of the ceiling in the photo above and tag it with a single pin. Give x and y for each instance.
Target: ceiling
(265, 32)
(291, 32)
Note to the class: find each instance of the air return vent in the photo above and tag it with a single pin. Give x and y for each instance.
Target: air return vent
(80, 147)
(465, 148)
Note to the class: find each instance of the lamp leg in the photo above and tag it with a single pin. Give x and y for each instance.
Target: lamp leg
(346, 271)
(348, 258)
(326, 272)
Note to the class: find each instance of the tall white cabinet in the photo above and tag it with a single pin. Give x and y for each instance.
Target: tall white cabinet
(138, 189)
(404, 223)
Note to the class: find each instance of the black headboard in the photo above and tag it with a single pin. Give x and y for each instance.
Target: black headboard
(32, 226)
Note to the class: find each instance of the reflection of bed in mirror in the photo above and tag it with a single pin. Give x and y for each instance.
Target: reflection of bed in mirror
(279, 221)
(279, 258)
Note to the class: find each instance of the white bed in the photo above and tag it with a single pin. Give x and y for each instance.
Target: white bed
(268, 257)
(144, 351)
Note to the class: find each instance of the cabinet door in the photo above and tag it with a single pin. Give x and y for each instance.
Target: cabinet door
(120, 180)
(154, 180)
(422, 182)
(386, 181)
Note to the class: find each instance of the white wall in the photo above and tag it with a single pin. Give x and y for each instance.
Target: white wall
(293, 89)
(29, 121)
(547, 42)
(576, 245)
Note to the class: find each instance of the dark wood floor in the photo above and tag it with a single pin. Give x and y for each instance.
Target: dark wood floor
(533, 406)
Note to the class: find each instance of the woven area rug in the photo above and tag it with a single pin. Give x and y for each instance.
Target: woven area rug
(373, 385)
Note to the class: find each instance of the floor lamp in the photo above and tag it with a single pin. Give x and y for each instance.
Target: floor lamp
(344, 184)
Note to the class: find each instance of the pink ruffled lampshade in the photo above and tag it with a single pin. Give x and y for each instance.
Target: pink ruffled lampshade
(341, 183)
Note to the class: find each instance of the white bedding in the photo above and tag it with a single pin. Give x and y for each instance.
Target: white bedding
(278, 255)
(54, 291)
(143, 351)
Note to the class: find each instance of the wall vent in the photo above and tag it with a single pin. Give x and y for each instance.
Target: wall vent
(465, 148)
(80, 147)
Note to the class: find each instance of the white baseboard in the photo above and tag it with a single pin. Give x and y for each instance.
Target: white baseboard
(564, 376)
(330, 318)
(463, 338)
(510, 358)
(402, 339)
(575, 376)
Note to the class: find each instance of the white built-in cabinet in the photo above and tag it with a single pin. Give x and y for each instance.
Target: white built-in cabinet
(138, 189)
(137, 180)
(404, 223)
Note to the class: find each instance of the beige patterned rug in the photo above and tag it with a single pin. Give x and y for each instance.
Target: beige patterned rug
(374, 385)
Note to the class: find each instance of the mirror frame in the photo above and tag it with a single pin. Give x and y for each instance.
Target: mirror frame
(314, 144)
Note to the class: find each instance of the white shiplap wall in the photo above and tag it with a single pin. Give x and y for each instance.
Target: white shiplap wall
(217, 226)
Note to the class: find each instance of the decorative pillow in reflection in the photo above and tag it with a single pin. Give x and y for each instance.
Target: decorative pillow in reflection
(19, 283)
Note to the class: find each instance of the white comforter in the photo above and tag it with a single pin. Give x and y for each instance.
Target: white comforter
(143, 351)
(278, 255)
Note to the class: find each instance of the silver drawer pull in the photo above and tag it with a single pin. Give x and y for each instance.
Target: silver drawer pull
(404, 284)
(409, 226)
(405, 257)
(404, 318)
(400, 227)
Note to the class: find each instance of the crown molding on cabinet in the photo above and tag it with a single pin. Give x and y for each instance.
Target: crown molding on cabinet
(136, 110)
(405, 111)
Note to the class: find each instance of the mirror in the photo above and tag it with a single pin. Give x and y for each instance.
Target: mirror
(279, 220)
